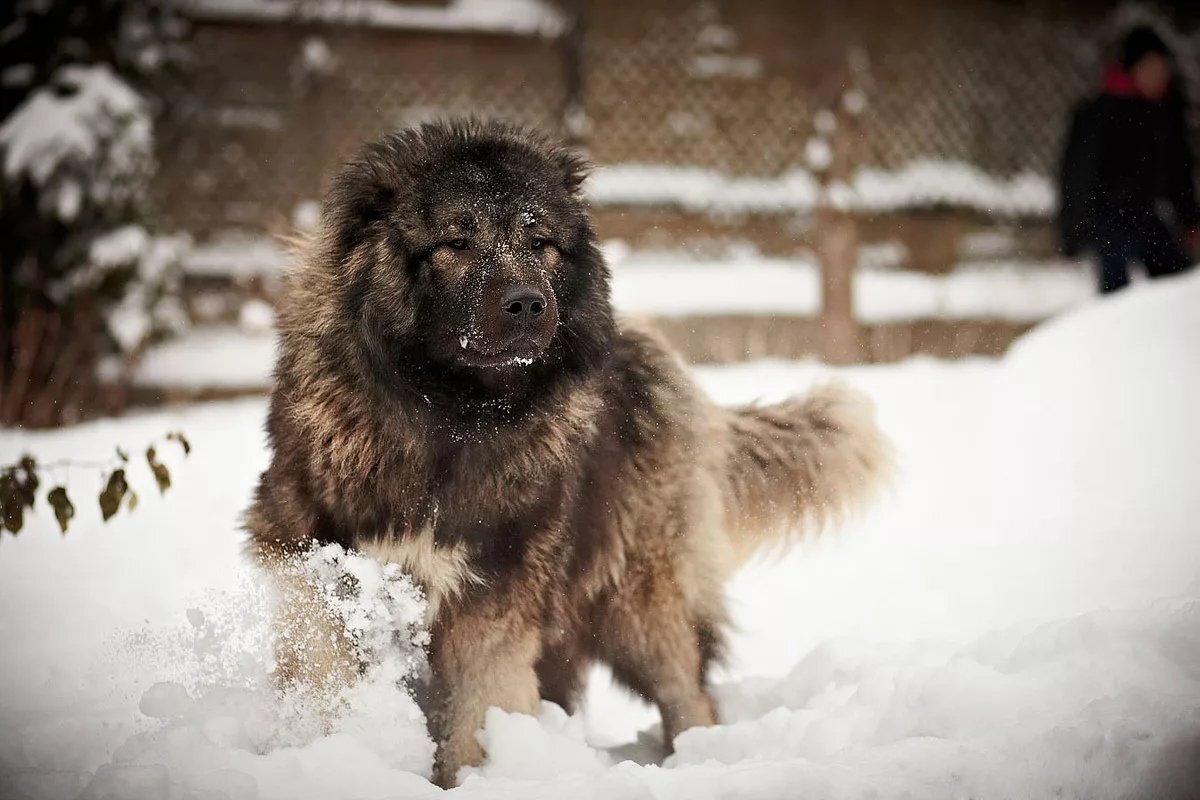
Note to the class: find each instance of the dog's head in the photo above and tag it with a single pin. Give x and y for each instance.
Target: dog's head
(466, 248)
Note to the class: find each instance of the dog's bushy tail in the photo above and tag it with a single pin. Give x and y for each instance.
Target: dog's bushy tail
(797, 467)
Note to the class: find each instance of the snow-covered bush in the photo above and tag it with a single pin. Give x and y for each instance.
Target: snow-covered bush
(145, 272)
(83, 139)
(81, 272)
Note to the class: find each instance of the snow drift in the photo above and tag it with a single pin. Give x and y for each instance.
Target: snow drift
(1021, 619)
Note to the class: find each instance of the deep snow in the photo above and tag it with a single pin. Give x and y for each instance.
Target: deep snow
(1020, 618)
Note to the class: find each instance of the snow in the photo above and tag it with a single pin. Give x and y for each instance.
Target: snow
(316, 58)
(922, 183)
(723, 65)
(1012, 291)
(237, 255)
(257, 317)
(699, 189)
(521, 17)
(86, 125)
(547, 747)
(648, 284)
(118, 247)
(1020, 617)
(854, 101)
(227, 357)
(165, 700)
(150, 301)
(929, 182)
(818, 154)
(306, 215)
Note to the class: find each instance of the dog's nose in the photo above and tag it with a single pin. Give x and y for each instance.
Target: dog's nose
(524, 302)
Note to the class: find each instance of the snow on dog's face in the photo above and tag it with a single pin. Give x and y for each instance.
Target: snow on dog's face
(467, 249)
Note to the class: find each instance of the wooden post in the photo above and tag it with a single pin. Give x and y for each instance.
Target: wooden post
(836, 226)
(574, 40)
(837, 253)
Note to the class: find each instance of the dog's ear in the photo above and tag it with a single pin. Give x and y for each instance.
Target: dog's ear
(360, 197)
(575, 169)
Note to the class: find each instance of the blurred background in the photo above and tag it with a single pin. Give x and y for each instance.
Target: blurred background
(859, 181)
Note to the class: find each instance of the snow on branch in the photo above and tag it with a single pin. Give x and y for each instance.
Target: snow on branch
(87, 135)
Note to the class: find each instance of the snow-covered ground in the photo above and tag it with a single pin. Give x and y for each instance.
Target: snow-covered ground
(1020, 618)
(650, 284)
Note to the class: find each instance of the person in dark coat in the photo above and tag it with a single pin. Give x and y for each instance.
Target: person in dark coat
(1127, 191)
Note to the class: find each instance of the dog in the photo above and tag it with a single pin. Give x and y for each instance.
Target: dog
(453, 395)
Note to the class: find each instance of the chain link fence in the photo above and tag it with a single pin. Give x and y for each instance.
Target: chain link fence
(275, 106)
(732, 87)
(735, 86)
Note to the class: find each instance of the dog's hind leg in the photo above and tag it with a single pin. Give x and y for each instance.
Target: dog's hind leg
(562, 673)
(657, 648)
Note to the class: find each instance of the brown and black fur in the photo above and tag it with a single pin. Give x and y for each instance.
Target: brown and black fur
(555, 481)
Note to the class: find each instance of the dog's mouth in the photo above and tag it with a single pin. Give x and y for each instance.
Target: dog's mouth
(521, 352)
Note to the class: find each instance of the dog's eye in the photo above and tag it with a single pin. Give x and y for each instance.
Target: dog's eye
(537, 244)
(457, 244)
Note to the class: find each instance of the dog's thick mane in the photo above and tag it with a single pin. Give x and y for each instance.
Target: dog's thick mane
(328, 320)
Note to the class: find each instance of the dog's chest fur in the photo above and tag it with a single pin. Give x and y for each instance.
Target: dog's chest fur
(443, 571)
(486, 496)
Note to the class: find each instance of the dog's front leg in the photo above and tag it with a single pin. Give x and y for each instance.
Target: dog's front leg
(482, 655)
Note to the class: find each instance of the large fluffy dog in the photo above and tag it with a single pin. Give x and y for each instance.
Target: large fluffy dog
(453, 395)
